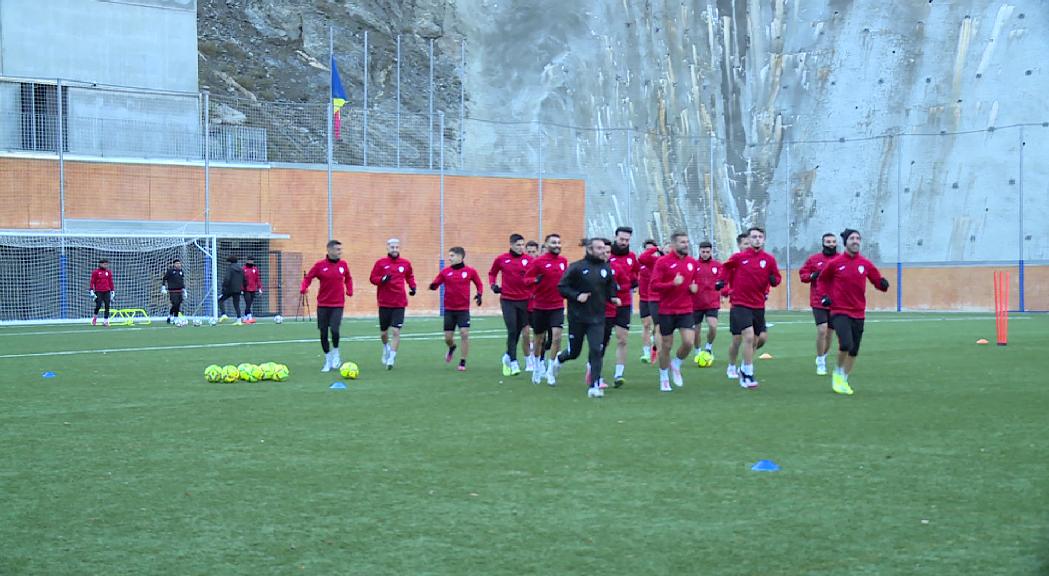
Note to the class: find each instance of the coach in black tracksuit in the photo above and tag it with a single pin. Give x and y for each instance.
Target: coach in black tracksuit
(588, 284)
(232, 286)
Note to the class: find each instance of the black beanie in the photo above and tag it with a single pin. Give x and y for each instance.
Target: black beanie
(848, 232)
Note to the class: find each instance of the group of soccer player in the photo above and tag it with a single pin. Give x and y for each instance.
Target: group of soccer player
(677, 294)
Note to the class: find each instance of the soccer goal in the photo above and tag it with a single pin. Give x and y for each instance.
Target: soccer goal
(45, 277)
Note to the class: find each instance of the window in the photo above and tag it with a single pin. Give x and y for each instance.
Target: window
(40, 117)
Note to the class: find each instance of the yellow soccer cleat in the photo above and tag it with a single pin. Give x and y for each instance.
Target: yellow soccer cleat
(840, 384)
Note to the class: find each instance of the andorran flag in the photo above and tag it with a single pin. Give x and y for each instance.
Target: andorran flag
(338, 97)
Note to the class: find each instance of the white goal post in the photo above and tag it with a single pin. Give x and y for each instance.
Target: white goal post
(45, 276)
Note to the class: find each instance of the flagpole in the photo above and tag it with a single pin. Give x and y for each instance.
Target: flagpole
(330, 114)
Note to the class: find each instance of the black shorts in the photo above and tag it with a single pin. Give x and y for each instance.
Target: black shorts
(668, 323)
(647, 308)
(822, 315)
(543, 320)
(850, 333)
(740, 318)
(390, 317)
(329, 317)
(700, 315)
(622, 317)
(456, 319)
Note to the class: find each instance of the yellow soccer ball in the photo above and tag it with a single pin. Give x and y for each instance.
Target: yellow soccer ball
(213, 373)
(704, 359)
(256, 373)
(244, 370)
(230, 374)
(349, 370)
(268, 368)
(281, 373)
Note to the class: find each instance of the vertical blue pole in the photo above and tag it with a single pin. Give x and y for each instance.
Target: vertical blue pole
(63, 281)
(440, 294)
(1021, 280)
(899, 286)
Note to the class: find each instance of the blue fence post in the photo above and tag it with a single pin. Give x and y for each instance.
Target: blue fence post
(1021, 281)
(899, 286)
(440, 293)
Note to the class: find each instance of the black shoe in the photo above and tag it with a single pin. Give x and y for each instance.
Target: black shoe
(618, 383)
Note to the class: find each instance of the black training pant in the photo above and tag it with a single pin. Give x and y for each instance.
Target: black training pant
(176, 302)
(249, 299)
(329, 318)
(103, 299)
(850, 333)
(593, 332)
(236, 302)
(515, 316)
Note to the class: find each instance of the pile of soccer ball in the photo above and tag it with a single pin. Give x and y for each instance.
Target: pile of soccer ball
(246, 372)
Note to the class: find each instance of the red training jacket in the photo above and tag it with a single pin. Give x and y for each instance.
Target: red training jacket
(392, 293)
(332, 277)
(252, 281)
(102, 280)
(646, 263)
(707, 274)
(457, 286)
(748, 272)
(844, 280)
(621, 270)
(513, 267)
(674, 299)
(552, 268)
(816, 263)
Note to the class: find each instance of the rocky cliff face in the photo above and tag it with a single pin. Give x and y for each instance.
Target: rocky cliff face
(775, 113)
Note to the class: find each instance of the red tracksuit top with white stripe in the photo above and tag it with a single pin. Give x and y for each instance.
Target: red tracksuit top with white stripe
(748, 273)
(646, 262)
(252, 281)
(816, 263)
(335, 282)
(457, 282)
(621, 270)
(392, 294)
(708, 272)
(512, 267)
(633, 267)
(845, 279)
(102, 280)
(674, 299)
(552, 268)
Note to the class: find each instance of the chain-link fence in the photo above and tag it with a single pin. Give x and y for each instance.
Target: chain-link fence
(923, 201)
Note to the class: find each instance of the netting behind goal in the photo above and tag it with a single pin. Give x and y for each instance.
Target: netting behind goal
(46, 277)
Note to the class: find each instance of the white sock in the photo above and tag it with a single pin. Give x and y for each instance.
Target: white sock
(393, 354)
(676, 363)
(664, 375)
(619, 370)
(748, 369)
(822, 359)
(708, 347)
(698, 350)
(646, 350)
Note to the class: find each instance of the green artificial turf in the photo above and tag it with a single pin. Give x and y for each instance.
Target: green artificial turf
(128, 462)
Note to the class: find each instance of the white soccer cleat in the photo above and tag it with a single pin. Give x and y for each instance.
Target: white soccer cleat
(530, 364)
(515, 368)
(537, 376)
(223, 318)
(551, 374)
(821, 368)
(664, 386)
(732, 372)
(385, 353)
(675, 374)
(335, 360)
(595, 392)
(747, 381)
(327, 362)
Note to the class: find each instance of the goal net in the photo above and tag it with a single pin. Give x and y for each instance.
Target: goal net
(45, 278)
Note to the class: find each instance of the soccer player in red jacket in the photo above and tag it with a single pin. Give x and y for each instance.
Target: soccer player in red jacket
(548, 319)
(809, 274)
(532, 250)
(843, 288)
(648, 305)
(674, 278)
(514, 293)
(707, 301)
(389, 275)
(336, 284)
(627, 269)
(750, 273)
(456, 279)
(101, 287)
(252, 287)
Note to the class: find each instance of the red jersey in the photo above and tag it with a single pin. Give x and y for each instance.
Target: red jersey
(252, 281)
(621, 271)
(674, 298)
(551, 268)
(391, 294)
(335, 282)
(102, 280)
(750, 273)
(646, 263)
(456, 280)
(512, 266)
(844, 279)
(708, 272)
(815, 263)
(632, 265)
